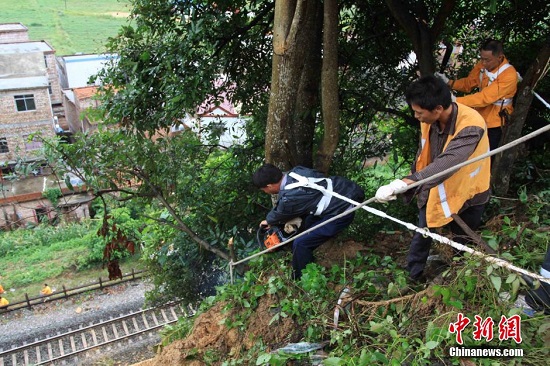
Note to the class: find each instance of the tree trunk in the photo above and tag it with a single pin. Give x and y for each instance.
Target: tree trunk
(329, 87)
(289, 132)
(504, 161)
(307, 101)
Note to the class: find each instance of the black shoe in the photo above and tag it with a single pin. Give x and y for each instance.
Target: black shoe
(418, 280)
(539, 299)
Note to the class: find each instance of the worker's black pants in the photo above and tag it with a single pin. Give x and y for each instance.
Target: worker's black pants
(494, 134)
(420, 245)
(539, 299)
(303, 247)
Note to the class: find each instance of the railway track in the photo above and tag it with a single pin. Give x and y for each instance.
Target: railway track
(71, 347)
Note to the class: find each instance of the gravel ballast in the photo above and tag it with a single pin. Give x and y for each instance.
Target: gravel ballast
(51, 318)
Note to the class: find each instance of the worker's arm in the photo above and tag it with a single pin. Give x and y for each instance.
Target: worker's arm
(504, 86)
(469, 82)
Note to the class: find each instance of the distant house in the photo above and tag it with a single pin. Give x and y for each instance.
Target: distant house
(22, 202)
(218, 123)
(77, 77)
(75, 71)
(13, 32)
(40, 93)
(30, 105)
(76, 102)
(30, 97)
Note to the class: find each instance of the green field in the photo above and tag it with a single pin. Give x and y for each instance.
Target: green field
(67, 255)
(69, 26)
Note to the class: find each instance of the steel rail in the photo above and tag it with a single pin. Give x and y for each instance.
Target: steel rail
(56, 343)
(102, 344)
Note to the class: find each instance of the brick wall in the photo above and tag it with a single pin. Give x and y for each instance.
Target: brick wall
(13, 32)
(53, 78)
(15, 125)
(20, 210)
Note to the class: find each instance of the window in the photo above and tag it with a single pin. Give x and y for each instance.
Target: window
(42, 214)
(32, 142)
(4, 145)
(50, 88)
(25, 102)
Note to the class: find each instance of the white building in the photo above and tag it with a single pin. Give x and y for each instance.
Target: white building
(75, 71)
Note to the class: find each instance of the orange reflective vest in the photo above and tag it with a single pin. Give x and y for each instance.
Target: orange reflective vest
(449, 197)
(496, 90)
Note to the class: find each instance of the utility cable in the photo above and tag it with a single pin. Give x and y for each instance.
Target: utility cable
(410, 226)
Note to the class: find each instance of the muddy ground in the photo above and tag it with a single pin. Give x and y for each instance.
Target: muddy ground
(209, 333)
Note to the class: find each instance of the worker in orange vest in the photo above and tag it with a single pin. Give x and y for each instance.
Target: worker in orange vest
(3, 302)
(496, 83)
(46, 290)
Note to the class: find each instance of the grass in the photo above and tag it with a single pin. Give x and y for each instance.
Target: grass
(69, 26)
(65, 255)
(67, 277)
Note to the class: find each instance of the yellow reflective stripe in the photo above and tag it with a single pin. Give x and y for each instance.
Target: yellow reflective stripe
(443, 200)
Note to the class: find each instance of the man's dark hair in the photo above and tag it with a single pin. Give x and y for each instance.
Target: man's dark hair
(428, 92)
(494, 46)
(267, 174)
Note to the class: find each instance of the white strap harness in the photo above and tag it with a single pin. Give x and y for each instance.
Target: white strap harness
(312, 183)
(492, 77)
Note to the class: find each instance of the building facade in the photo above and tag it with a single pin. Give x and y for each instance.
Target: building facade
(30, 108)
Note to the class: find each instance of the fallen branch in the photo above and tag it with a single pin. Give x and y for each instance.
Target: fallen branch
(392, 301)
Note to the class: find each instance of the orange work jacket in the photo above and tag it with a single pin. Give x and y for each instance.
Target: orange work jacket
(448, 197)
(496, 91)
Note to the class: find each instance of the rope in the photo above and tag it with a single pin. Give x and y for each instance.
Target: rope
(542, 100)
(497, 261)
(483, 156)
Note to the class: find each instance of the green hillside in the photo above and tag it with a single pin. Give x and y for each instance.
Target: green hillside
(69, 26)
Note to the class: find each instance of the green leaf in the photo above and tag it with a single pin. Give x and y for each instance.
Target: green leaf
(333, 361)
(511, 278)
(497, 282)
(275, 318)
(263, 359)
(523, 195)
(378, 356)
(515, 287)
(68, 183)
(377, 327)
(363, 359)
(457, 304)
(259, 291)
(431, 344)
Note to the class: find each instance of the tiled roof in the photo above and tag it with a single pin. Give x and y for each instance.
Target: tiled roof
(85, 92)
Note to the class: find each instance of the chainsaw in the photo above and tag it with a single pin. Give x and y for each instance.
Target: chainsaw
(270, 236)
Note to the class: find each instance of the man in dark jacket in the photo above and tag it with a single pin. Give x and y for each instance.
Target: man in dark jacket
(539, 299)
(311, 205)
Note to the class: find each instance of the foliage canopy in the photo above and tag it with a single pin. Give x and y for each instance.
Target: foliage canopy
(178, 55)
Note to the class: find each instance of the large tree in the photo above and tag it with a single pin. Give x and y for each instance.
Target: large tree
(296, 69)
(318, 78)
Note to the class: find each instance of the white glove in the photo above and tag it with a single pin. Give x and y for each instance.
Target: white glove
(442, 77)
(293, 225)
(387, 193)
